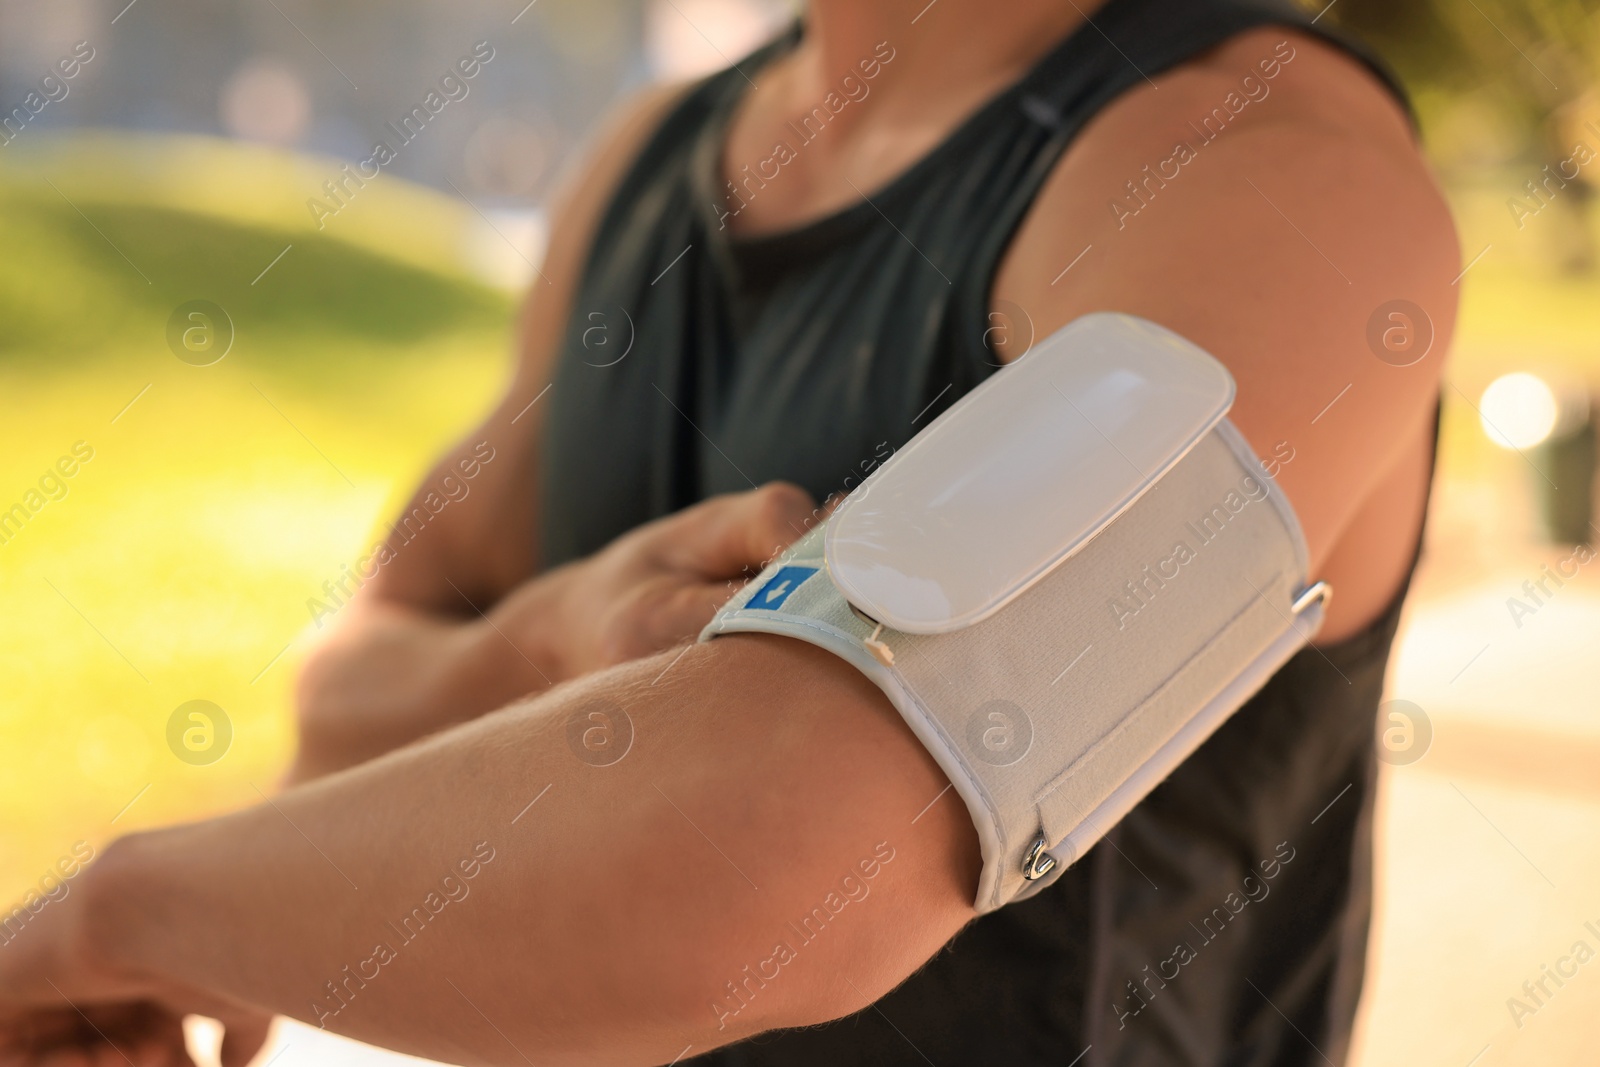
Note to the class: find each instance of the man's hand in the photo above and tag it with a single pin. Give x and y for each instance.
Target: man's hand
(391, 674)
(62, 1005)
(657, 586)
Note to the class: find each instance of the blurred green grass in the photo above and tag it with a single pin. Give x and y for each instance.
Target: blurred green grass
(65, 288)
(178, 564)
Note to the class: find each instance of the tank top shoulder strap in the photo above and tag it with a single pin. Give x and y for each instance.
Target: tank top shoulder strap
(695, 122)
(1124, 43)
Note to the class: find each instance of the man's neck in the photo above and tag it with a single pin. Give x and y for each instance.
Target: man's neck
(963, 41)
(910, 70)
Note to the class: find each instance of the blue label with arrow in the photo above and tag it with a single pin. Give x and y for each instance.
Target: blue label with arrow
(772, 595)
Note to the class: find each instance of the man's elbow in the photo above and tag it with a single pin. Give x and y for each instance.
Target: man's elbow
(814, 966)
(868, 861)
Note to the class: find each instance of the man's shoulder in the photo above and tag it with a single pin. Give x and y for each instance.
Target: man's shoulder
(1265, 81)
(1271, 145)
(592, 176)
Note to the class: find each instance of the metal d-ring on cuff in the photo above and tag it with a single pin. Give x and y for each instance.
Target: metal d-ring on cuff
(1310, 595)
(1037, 863)
(863, 616)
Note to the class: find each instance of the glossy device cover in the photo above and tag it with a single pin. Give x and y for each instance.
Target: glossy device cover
(1080, 569)
(1020, 473)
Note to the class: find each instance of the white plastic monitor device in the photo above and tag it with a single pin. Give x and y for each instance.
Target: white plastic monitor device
(1011, 481)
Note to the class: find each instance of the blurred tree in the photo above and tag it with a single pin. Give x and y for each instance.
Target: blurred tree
(1542, 52)
(1535, 62)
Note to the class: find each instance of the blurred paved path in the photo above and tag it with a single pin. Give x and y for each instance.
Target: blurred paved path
(1489, 858)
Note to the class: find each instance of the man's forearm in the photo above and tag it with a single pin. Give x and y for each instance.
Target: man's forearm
(511, 889)
(393, 675)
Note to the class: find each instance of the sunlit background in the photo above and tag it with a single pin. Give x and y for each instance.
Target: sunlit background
(177, 515)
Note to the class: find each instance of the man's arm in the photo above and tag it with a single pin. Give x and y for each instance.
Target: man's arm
(487, 543)
(453, 623)
(756, 859)
(1273, 245)
(400, 674)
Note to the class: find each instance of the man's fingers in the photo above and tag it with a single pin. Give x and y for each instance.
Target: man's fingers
(164, 1041)
(42, 1027)
(112, 1035)
(60, 1056)
(243, 1038)
(105, 1054)
(658, 615)
(690, 607)
(59, 1037)
(727, 535)
(158, 1050)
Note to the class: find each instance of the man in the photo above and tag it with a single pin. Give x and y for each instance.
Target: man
(804, 258)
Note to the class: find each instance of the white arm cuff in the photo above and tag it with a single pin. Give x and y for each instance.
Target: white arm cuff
(1055, 690)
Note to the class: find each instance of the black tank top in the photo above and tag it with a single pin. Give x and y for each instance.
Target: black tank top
(696, 363)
